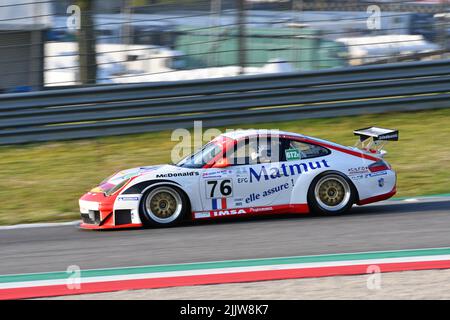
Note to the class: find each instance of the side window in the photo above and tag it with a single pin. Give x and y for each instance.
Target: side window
(301, 150)
(255, 151)
(243, 153)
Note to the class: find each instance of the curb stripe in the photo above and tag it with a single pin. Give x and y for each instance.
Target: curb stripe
(109, 286)
(99, 280)
(230, 264)
(39, 283)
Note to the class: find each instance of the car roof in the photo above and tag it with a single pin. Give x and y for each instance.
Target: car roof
(239, 134)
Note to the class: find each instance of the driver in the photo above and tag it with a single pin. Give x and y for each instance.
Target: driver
(262, 154)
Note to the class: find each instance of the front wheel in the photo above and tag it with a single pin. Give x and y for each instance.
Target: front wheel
(331, 193)
(163, 206)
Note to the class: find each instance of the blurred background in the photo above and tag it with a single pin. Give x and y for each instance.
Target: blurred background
(58, 141)
(89, 88)
(61, 43)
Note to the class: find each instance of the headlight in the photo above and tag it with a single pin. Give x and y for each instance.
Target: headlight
(116, 187)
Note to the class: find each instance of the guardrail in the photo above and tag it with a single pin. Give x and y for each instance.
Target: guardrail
(136, 108)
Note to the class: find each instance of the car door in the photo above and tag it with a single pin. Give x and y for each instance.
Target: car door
(303, 162)
(254, 177)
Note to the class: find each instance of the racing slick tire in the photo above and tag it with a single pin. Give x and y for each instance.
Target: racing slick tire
(331, 193)
(163, 206)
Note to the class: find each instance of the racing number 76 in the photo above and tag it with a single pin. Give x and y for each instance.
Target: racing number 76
(224, 188)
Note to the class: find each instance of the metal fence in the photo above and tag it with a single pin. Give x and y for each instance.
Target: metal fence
(164, 40)
(135, 108)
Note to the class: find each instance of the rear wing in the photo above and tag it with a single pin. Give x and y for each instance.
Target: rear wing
(373, 139)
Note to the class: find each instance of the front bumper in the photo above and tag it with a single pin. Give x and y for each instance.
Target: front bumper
(97, 212)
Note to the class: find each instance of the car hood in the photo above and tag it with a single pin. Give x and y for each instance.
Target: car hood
(124, 175)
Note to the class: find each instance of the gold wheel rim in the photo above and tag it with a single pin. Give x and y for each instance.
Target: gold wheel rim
(163, 205)
(331, 192)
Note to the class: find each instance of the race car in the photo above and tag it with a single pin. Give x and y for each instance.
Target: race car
(246, 173)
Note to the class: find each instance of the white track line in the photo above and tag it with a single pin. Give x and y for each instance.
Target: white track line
(72, 223)
(411, 200)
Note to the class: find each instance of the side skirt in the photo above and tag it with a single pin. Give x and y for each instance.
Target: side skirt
(253, 211)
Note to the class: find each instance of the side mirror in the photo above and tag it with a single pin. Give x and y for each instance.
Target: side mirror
(222, 163)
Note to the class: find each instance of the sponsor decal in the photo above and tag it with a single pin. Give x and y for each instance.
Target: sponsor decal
(241, 171)
(388, 136)
(357, 171)
(219, 188)
(130, 173)
(238, 202)
(381, 182)
(292, 154)
(217, 176)
(201, 215)
(274, 190)
(127, 198)
(357, 177)
(242, 180)
(219, 213)
(256, 196)
(376, 174)
(148, 168)
(261, 209)
(241, 174)
(215, 173)
(285, 170)
(177, 174)
(230, 212)
(219, 203)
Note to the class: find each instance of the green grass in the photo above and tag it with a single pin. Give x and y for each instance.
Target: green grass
(42, 182)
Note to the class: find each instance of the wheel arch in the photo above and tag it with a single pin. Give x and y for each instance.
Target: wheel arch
(159, 183)
(143, 186)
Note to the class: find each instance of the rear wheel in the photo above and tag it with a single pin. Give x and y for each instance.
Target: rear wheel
(163, 206)
(331, 193)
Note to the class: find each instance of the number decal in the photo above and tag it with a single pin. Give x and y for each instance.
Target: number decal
(225, 187)
(224, 190)
(212, 183)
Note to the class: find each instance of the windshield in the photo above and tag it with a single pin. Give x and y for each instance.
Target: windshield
(201, 157)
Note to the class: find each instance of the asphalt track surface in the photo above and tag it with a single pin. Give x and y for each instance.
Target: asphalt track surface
(392, 225)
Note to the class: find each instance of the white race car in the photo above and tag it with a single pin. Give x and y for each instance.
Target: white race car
(246, 173)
